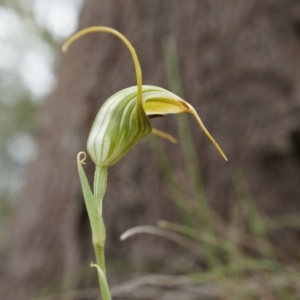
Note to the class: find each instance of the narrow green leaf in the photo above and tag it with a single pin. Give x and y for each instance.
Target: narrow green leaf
(97, 225)
(103, 283)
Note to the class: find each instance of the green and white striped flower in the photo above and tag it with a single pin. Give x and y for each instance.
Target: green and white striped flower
(118, 125)
(123, 119)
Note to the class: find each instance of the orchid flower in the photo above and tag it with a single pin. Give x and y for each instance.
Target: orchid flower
(122, 121)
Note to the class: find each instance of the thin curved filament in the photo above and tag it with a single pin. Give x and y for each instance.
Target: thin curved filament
(164, 135)
(193, 111)
(81, 160)
(116, 33)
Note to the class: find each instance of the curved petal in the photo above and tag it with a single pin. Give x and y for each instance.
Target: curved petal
(158, 101)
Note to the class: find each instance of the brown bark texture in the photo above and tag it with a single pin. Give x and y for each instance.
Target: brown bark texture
(239, 62)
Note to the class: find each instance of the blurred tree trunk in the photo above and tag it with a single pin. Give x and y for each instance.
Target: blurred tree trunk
(237, 60)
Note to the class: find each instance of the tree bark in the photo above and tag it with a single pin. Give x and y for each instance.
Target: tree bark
(238, 65)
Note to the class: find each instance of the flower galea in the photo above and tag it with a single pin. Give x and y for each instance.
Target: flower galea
(124, 118)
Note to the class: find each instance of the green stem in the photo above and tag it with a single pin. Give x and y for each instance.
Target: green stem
(100, 183)
(100, 256)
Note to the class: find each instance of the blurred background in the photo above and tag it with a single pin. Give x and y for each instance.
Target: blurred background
(31, 34)
(217, 230)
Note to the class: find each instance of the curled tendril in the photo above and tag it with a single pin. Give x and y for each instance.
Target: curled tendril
(81, 160)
